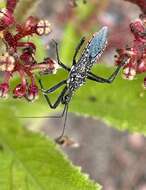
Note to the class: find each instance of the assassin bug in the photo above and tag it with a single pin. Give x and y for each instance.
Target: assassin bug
(78, 73)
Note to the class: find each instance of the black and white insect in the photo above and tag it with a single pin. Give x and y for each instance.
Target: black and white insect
(79, 72)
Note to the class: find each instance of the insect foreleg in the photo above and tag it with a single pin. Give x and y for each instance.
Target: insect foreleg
(58, 101)
(58, 58)
(52, 89)
(77, 49)
(52, 106)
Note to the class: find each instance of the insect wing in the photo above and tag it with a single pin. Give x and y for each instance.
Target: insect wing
(95, 46)
(98, 43)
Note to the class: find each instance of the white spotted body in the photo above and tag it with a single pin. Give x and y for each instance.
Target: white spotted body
(79, 71)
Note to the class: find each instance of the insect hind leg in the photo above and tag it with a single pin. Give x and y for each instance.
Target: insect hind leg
(53, 106)
(58, 101)
(52, 89)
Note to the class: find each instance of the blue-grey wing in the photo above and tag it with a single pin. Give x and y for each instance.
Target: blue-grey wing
(96, 45)
(98, 42)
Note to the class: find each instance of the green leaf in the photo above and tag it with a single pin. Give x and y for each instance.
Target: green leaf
(119, 104)
(32, 161)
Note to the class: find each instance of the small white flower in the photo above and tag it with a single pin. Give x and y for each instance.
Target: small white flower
(43, 27)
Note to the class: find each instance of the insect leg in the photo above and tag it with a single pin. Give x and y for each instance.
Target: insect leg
(93, 77)
(58, 59)
(77, 49)
(52, 89)
(58, 140)
(65, 111)
(48, 100)
(58, 101)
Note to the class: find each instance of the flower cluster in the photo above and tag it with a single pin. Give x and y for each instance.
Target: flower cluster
(135, 56)
(20, 56)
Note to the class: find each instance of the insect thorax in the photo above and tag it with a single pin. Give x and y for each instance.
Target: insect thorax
(78, 74)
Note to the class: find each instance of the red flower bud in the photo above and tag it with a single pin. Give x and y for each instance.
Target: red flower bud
(32, 93)
(20, 54)
(4, 88)
(144, 83)
(19, 91)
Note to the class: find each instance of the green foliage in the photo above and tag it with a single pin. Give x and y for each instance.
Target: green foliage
(31, 161)
(119, 104)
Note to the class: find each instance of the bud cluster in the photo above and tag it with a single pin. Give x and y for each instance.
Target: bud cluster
(135, 56)
(20, 55)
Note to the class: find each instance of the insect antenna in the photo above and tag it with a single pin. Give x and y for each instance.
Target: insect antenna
(44, 117)
(65, 111)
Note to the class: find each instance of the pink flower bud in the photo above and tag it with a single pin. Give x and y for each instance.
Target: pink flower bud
(32, 93)
(144, 83)
(6, 19)
(4, 87)
(19, 91)
(129, 73)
